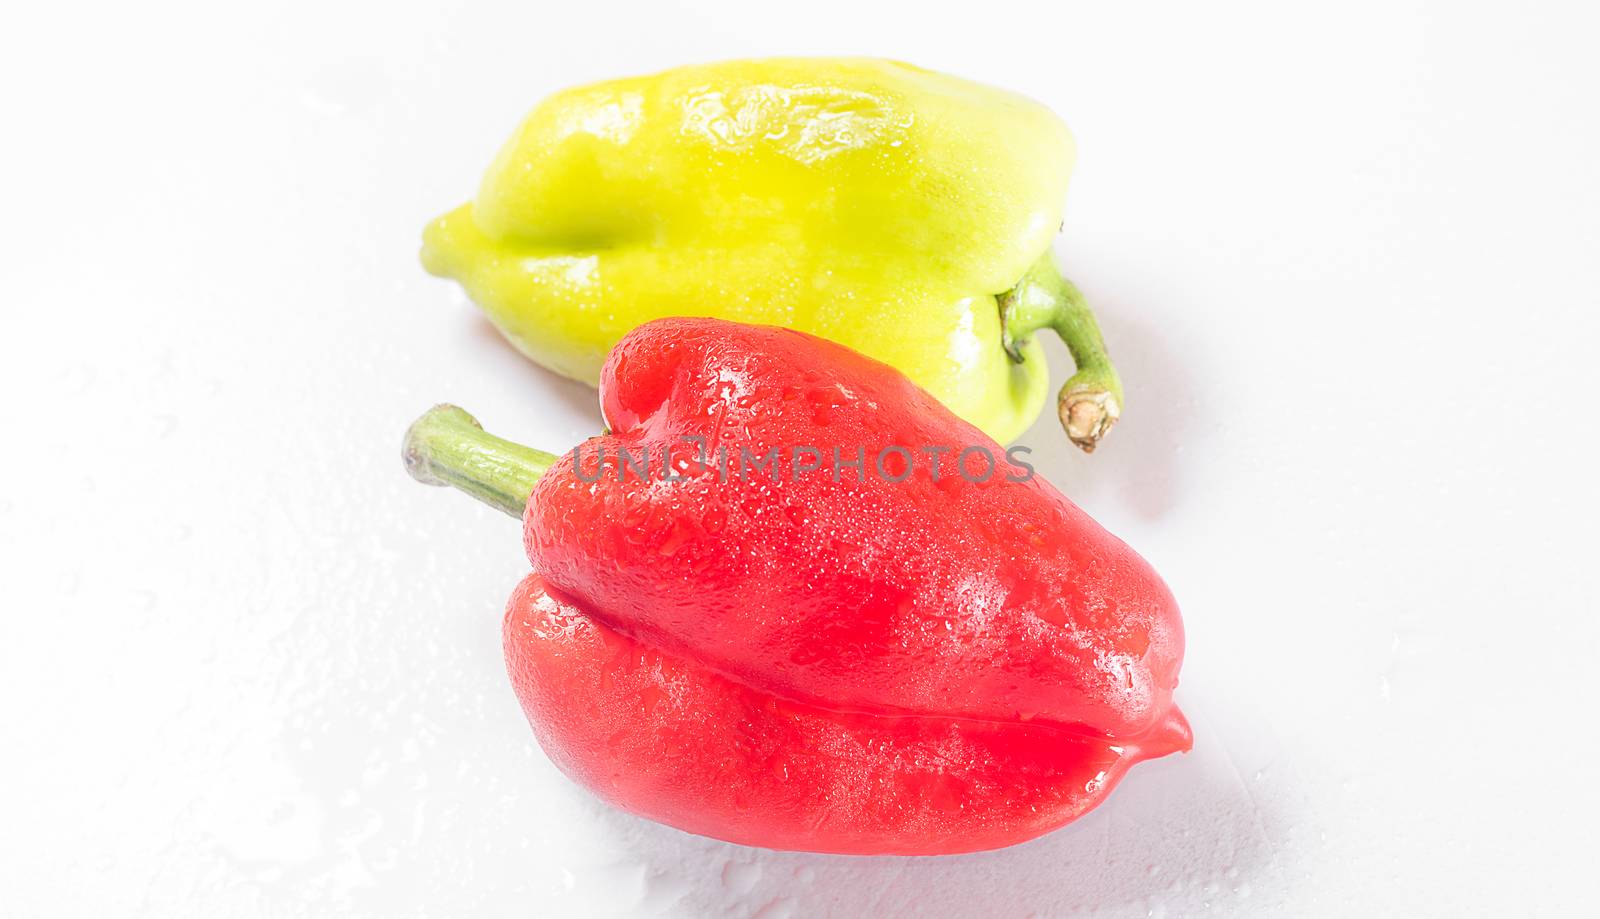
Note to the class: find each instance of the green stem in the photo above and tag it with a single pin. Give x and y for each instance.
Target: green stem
(1091, 401)
(447, 446)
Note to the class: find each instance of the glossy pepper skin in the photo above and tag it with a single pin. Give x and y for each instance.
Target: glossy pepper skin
(904, 213)
(861, 666)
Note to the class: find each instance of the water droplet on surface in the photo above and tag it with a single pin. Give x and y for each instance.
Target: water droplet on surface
(740, 877)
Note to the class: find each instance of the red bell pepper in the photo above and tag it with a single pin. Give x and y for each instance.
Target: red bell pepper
(863, 645)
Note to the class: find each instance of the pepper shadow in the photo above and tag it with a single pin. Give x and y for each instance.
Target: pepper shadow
(1180, 835)
(577, 404)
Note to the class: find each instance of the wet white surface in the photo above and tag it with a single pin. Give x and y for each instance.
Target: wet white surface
(1345, 256)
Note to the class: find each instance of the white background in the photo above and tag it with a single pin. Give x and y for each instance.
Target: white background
(1346, 257)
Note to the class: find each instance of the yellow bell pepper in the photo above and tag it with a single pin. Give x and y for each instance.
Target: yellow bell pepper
(904, 213)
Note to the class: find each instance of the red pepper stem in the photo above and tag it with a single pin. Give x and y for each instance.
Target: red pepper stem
(447, 446)
(1091, 401)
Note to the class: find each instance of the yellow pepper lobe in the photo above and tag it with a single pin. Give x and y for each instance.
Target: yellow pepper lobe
(866, 201)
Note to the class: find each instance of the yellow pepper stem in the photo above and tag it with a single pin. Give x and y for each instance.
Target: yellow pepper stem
(1091, 401)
